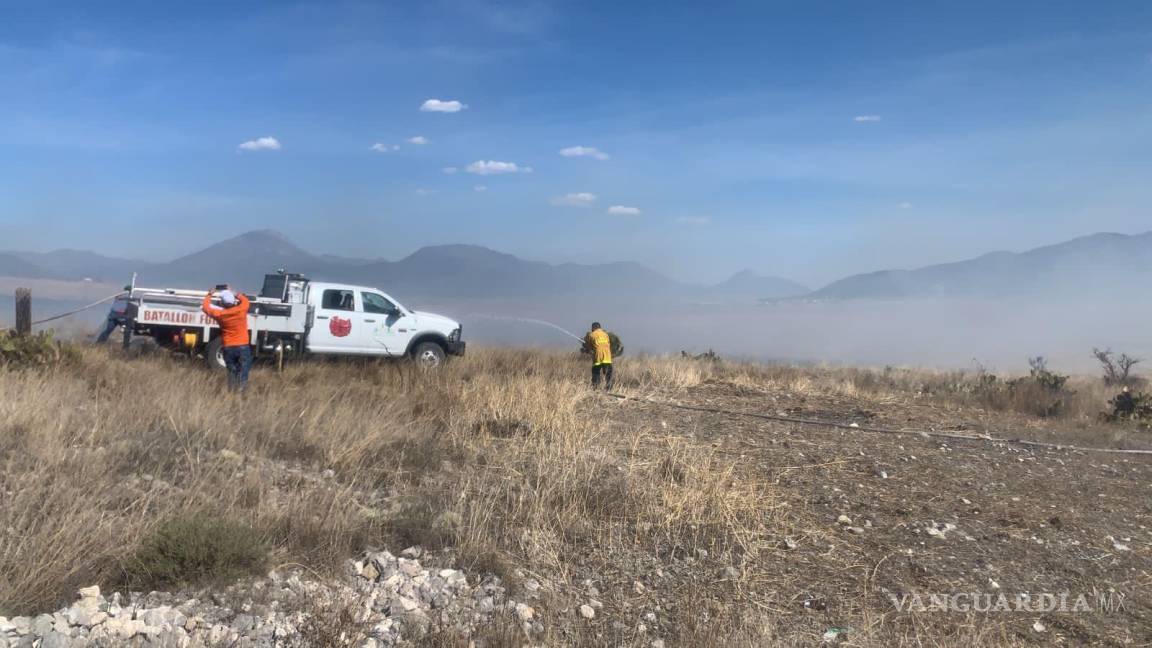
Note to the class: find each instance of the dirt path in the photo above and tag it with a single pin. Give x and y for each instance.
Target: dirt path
(927, 516)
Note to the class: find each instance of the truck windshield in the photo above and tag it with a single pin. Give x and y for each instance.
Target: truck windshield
(374, 303)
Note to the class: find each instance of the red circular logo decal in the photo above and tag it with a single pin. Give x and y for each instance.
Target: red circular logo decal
(340, 327)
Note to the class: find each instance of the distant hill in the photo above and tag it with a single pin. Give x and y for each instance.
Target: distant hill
(748, 284)
(11, 265)
(81, 264)
(245, 258)
(1095, 264)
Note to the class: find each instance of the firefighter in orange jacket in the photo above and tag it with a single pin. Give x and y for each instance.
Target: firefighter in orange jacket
(233, 321)
(600, 344)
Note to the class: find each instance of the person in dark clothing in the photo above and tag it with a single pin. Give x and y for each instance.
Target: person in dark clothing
(117, 316)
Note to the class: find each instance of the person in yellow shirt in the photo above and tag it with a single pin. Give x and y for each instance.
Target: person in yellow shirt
(599, 344)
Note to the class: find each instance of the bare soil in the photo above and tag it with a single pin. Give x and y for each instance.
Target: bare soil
(1026, 520)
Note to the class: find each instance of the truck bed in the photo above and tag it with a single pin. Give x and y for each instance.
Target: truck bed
(182, 308)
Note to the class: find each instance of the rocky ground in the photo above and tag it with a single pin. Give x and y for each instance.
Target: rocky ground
(382, 600)
(880, 517)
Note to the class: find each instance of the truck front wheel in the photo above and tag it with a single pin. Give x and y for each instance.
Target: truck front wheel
(428, 355)
(214, 354)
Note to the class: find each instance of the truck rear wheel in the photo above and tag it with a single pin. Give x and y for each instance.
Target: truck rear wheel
(214, 354)
(428, 355)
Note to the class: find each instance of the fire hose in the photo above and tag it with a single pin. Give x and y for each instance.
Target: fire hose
(76, 310)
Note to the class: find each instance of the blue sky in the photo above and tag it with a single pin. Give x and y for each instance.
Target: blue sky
(806, 139)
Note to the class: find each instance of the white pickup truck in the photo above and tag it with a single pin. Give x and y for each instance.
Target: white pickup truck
(293, 316)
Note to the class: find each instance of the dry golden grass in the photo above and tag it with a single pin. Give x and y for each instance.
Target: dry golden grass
(505, 456)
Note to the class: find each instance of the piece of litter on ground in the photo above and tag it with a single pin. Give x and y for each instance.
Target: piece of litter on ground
(1039, 627)
(833, 634)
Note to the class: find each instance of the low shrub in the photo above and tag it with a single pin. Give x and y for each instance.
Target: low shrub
(39, 350)
(195, 549)
(1130, 406)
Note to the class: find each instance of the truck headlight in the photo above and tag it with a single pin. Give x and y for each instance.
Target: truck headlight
(454, 336)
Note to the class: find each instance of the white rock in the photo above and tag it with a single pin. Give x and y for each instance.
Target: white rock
(587, 611)
(56, 640)
(89, 592)
(21, 625)
(163, 617)
(42, 624)
(1039, 627)
(409, 567)
(524, 612)
(370, 572)
(82, 612)
(406, 604)
(124, 627)
(844, 519)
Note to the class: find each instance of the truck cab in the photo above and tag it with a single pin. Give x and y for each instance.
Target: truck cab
(361, 320)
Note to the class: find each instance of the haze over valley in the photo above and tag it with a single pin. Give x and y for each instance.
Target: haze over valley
(995, 310)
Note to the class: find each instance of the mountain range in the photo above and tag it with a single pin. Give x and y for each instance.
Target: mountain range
(1094, 264)
(434, 271)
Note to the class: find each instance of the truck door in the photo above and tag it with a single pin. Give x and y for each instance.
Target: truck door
(338, 327)
(388, 327)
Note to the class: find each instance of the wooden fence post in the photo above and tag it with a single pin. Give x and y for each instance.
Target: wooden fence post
(23, 311)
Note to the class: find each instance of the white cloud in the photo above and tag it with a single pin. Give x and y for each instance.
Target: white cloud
(694, 220)
(436, 105)
(621, 210)
(584, 151)
(449, 170)
(905, 205)
(425, 192)
(864, 119)
(261, 144)
(581, 199)
(419, 140)
(384, 148)
(479, 188)
(492, 167)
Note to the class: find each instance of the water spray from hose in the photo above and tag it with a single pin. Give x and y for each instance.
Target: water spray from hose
(528, 320)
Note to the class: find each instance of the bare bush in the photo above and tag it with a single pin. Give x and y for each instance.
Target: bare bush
(1117, 368)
